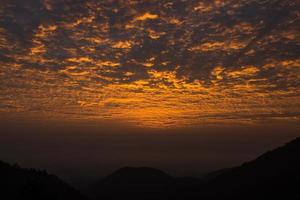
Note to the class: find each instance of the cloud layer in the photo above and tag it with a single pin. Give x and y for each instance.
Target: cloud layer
(151, 63)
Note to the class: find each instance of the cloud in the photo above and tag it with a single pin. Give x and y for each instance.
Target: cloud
(146, 16)
(183, 63)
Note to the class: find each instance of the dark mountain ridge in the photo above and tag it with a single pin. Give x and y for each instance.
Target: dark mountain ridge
(17, 183)
(273, 175)
(138, 175)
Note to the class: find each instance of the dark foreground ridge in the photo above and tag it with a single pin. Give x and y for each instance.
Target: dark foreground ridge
(30, 184)
(273, 175)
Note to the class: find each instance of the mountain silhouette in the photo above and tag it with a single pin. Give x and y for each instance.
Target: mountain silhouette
(139, 175)
(22, 184)
(133, 183)
(273, 175)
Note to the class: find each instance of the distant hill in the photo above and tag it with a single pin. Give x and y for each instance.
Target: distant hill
(22, 184)
(139, 175)
(273, 175)
(133, 183)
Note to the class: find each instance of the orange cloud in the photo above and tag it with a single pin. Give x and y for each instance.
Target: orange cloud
(146, 16)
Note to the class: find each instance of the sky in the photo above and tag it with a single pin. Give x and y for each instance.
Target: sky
(156, 65)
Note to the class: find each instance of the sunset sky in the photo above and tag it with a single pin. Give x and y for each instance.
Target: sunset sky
(162, 64)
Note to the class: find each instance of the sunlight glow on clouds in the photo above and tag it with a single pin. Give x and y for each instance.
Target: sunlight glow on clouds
(151, 64)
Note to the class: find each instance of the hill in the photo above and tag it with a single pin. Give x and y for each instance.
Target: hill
(273, 175)
(133, 183)
(22, 184)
